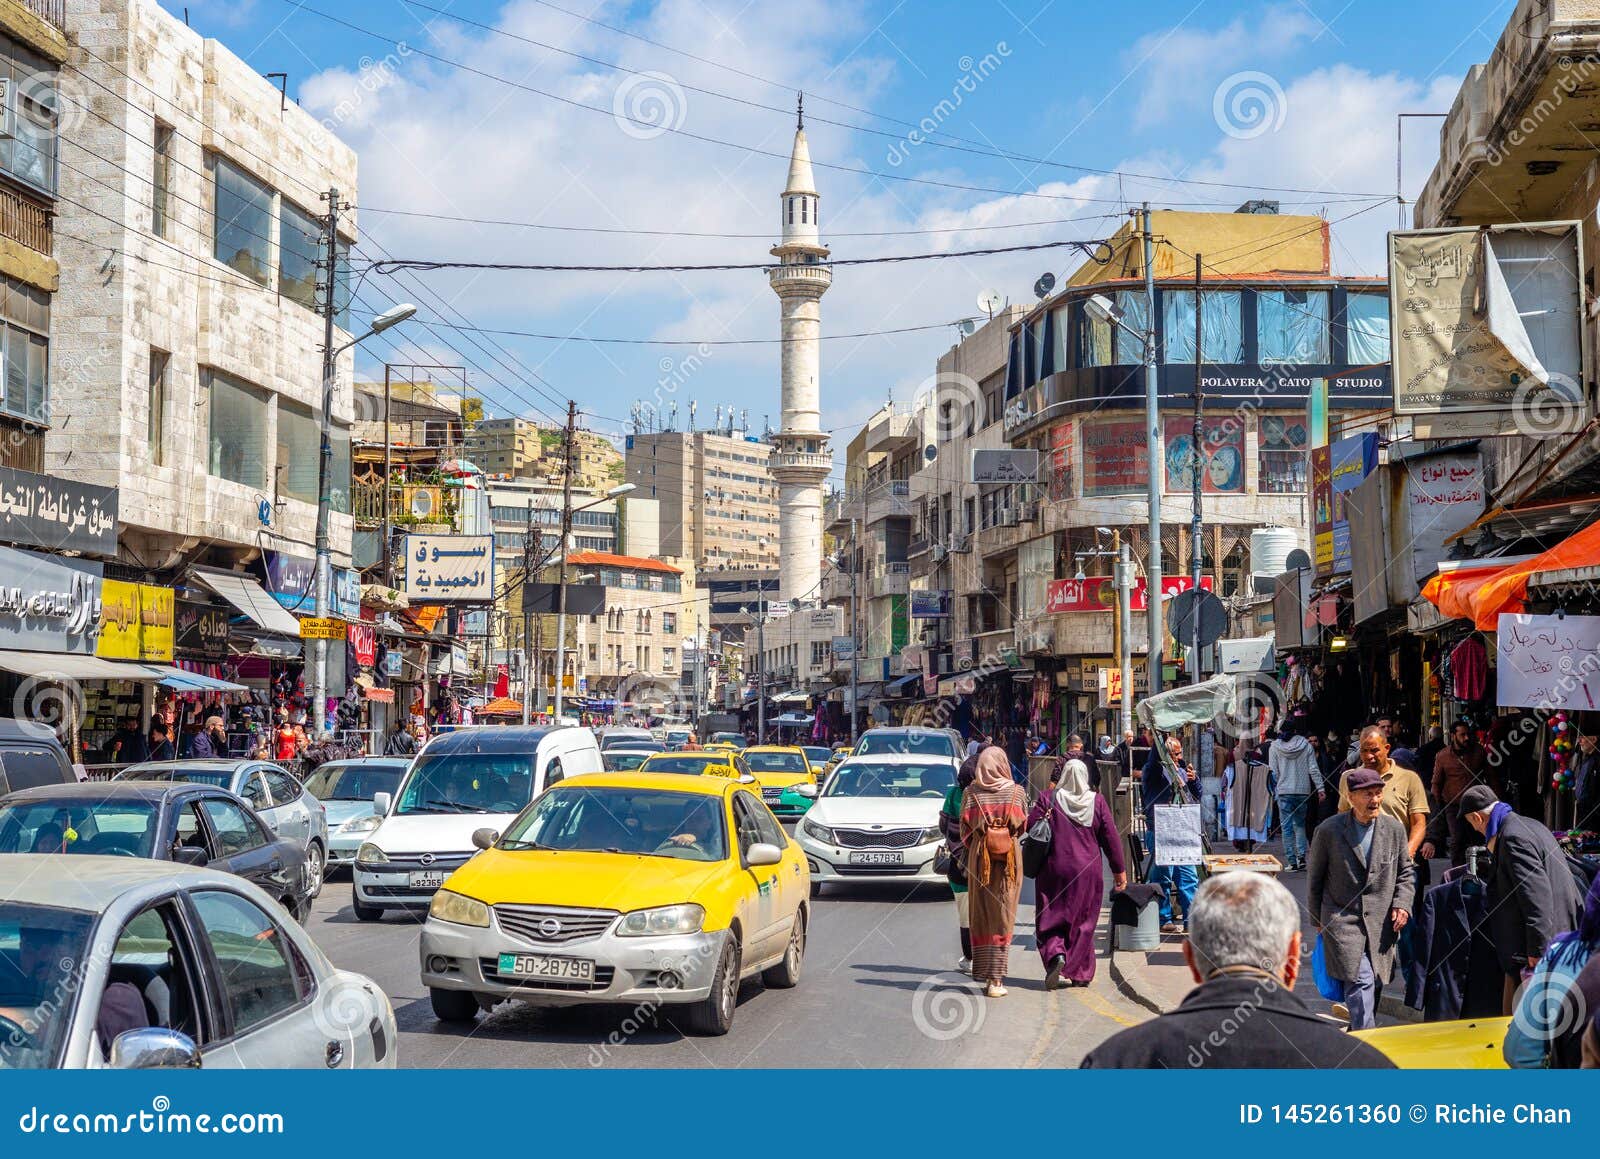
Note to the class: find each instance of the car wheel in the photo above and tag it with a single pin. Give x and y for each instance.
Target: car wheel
(299, 908)
(453, 1005)
(816, 889)
(713, 1015)
(786, 974)
(316, 868)
(364, 913)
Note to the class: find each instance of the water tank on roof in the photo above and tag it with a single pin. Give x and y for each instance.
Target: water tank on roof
(1269, 551)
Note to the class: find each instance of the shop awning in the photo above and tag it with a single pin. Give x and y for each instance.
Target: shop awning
(904, 685)
(1457, 581)
(1507, 590)
(58, 666)
(250, 599)
(793, 697)
(264, 644)
(793, 719)
(182, 680)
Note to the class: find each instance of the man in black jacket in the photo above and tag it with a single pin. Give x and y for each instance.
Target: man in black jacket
(1244, 951)
(1532, 893)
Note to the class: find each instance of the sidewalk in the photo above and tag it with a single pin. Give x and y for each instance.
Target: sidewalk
(1158, 979)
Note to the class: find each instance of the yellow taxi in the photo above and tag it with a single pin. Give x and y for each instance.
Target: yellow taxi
(697, 762)
(778, 767)
(1461, 1044)
(624, 888)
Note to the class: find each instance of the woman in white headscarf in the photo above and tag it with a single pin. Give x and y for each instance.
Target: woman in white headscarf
(1071, 885)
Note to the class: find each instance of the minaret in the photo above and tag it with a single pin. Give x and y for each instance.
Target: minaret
(800, 459)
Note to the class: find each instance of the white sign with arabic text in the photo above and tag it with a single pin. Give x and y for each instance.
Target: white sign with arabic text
(1548, 661)
(449, 568)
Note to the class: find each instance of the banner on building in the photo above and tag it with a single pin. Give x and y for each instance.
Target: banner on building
(57, 514)
(364, 641)
(929, 605)
(136, 621)
(1004, 465)
(1548, 662)
(201, 631)
(1336, 471)
(1115, 461)
(1487, 329)
(1221, 454)
(292, 581)
(449, 568)
(48, 603)
(1099, 594)
(844, 648)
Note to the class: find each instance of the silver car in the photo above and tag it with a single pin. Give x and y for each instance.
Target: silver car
(346, 790)
(134, 964)
(277, 798)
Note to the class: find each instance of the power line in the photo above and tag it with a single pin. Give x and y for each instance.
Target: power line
(615, 341)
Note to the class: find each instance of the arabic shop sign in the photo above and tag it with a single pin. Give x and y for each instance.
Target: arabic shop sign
(48, 604)
(449, 568)
(136, 621)
(292, 581)
(58, 514)
(202, 630)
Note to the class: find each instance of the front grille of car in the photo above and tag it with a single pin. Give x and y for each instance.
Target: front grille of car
(877, 870)
(878, 839)
(412, 862)
(553, 925)
(602, 978)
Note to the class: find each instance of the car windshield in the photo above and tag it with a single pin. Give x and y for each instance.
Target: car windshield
(857, 778)
(346, 781)
(38, 945)
(686, 826)
(125, 828)
(761, 762)
(467, 783)
(684, 762)
(624, 760)
(677, 736)
(217, 778)
(912, 742)
(732, 738)
(627, 740)
(818, 756)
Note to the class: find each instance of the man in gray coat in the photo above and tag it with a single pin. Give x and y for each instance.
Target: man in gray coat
(1359, 892)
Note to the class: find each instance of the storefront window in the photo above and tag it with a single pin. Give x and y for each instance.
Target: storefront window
(24, 330)
(238, 431)
(1367, 322)
(1221, 320)
(1283, 454)
(1292, 325)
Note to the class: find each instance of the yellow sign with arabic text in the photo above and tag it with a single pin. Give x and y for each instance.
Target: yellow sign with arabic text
(327, 628)
(135, 621)
(157, 611)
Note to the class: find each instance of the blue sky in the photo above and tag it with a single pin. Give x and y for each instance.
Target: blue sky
(1299, 94)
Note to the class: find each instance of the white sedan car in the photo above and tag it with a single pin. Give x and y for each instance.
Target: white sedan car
(877, 820)
(129, 963)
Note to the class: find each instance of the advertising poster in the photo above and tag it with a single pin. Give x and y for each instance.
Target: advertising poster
(1221, 454)
(1114, 459)
(1098, 594)
(1061, 456)
(1322, 509)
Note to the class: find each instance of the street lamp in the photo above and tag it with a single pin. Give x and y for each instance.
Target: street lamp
(567, 512)
(393, 316)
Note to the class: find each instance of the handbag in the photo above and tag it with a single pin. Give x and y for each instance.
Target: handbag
(1036, 847)
(1328, 986)
(942, 859)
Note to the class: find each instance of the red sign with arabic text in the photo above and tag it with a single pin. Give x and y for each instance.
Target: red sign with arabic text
(365, 641)
(1097, 594)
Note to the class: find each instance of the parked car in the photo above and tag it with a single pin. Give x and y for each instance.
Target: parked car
(31, 755)
(1459, 1044)
(877, 820)
(277, 798)
(460, 782)
(911, 740)
(558, 911)
(178, 967)
(347, 790)
(161, 821)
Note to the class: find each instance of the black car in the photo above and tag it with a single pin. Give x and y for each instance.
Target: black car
(163, 821)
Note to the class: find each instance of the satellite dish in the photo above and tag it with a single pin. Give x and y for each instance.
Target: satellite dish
(989, 301)
(1297, 560)
(967, 327)
(1046, 283)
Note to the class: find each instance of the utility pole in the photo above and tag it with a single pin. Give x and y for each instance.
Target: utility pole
(388, 468)
(319, 648)
(1124, 585)
(1156, 460)
(855, 639)
(532, 546)
(570, 438)
(1197, 526)
(761, 663)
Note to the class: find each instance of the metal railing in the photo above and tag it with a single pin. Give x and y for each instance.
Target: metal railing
(53, 11)
(25, 222)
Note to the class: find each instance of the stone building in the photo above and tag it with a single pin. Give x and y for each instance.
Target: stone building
(718, 500)
(508, 447)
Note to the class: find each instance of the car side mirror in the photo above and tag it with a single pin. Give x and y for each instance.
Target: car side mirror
(190, 855)
(381, 803)
(762, 853)
(485, 838)
(154, 1048)
(806, 791)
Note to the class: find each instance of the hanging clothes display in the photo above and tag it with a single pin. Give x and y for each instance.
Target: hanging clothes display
(1249, 795)
(1455, 954)
(1469, 667)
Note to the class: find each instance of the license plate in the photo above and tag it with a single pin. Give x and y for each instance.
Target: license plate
(427, 879)
(543, 966)
(877, 859)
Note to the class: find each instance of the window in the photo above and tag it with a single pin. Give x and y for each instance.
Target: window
(1108, 344)
(161, 179)
(238, 431)
(339, 467)
(803, 209)
(791, 211)
(669, 659)
(299, 448)
(299, 248)
(237, 831)
(28, 152)
(819, 653)
(594, 652)
(746, 810)
(146, 955)
(30, 768)
(669, 623)
(1367, 333)
(553, 774)
(282, 786)
(156, 420)
(261, 975)
(255, 791)
(1292, 325)
(1283, 454)
(24, 334)
(1222, 320)
(242, 222)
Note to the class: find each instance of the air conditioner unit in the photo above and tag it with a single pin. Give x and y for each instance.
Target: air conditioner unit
(939, 552)
(421, 503)
(960, 544)
(1029, 513)
(1008, 517)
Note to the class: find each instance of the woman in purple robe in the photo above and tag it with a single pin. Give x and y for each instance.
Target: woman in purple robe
(1069, 887)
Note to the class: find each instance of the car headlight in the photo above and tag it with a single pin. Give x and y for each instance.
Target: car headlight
(361, 824)
(667, 919)
(371, 853)
(928, 835)
(820, 832)
(457, 908)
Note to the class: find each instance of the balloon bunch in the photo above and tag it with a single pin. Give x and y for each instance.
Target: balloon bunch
(1561, 753)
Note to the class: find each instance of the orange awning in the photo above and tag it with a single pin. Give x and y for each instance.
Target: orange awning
(1507, 591)
(1452, 591)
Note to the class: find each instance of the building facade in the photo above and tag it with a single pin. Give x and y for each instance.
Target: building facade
(506, 447)
(717, 495)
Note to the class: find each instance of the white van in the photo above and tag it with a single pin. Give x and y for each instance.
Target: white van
(462, 781)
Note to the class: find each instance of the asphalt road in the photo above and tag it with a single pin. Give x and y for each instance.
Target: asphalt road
(878, 989)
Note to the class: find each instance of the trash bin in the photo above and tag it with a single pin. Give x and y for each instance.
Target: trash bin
(1136, 916)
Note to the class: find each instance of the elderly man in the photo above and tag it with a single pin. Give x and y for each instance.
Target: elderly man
(1532, 893)
(1158, 790)
(1244, 951)
(1358, 893)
